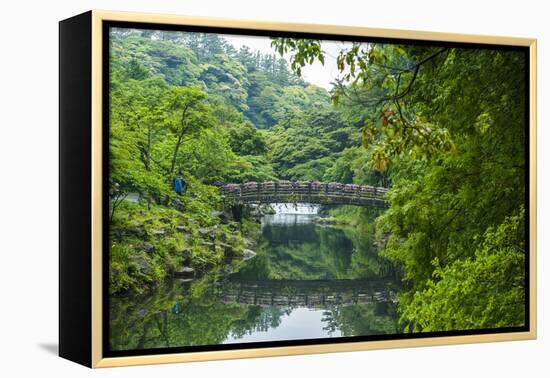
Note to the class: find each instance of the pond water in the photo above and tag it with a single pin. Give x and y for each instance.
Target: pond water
(307, 281)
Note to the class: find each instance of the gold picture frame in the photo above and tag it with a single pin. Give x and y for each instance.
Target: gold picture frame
(90, 329)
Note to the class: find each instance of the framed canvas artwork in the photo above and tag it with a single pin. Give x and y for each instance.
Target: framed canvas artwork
(235, 189)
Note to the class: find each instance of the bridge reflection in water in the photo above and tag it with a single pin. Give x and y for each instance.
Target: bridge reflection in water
(307, 281)
(312, 294)
(332, 193)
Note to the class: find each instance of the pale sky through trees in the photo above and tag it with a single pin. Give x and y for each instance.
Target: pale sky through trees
(318, 74)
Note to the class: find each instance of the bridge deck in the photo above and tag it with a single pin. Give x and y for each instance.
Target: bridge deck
(310, 192)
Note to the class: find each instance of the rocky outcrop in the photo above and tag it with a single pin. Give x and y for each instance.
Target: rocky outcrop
(185, 272)
(142, 262)
(147, 247)
(158, 232)
(248, 254)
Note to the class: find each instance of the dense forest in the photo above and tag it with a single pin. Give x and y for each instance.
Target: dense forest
(442, 127)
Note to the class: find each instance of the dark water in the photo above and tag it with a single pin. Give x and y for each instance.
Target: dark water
(307, 281)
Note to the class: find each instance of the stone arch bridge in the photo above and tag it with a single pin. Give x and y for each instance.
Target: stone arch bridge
(316, 192)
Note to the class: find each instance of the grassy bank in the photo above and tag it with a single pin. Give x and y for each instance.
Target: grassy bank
(355, 216)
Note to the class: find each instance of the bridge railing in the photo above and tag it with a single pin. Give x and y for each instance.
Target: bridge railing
(265, 191)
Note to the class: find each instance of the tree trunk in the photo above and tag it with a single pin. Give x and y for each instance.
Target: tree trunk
(178, 144)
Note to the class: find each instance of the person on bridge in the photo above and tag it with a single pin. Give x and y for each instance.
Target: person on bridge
(179, 185)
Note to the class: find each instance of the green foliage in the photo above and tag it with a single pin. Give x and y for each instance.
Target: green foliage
(494, 274)
(439, 206)
(352, 166)
(227, 77)
(307, 142)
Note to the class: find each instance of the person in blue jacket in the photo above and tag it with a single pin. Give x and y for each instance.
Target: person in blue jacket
(179, 185)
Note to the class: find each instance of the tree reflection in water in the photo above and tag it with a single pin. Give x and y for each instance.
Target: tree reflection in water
(332, 279)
